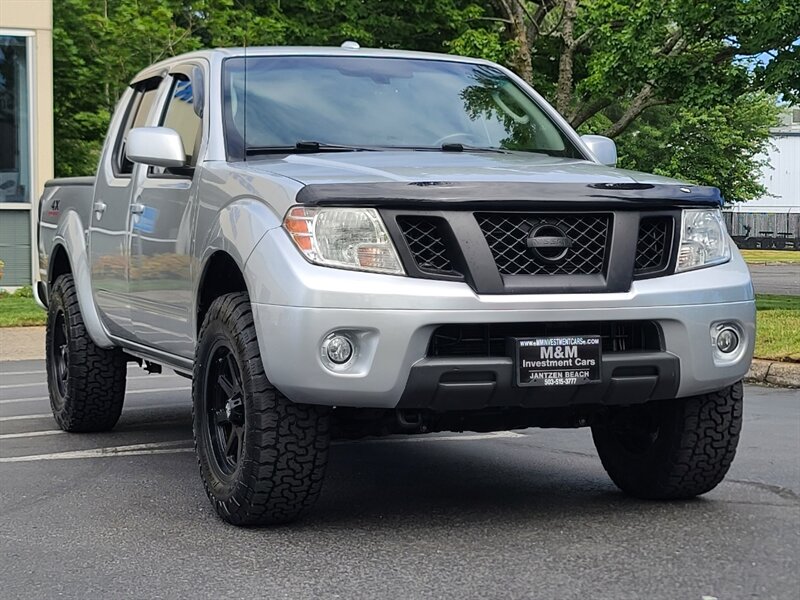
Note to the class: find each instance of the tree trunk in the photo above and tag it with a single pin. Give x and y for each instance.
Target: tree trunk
(565, 63)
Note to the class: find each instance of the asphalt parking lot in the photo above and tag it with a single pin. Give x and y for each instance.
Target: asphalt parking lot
(521, 515)
(776, 279)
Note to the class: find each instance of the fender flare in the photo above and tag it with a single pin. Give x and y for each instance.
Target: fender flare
(237, 229)
(70, 235)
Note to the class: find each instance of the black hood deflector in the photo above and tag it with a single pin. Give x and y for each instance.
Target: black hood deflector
(509, 195)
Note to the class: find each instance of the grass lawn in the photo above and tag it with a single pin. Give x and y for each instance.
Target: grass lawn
(778, 327)
(778, 322)
(17, 311)
(760, 257)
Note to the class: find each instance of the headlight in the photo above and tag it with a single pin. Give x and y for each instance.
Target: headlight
(704, 240)
(348, 238)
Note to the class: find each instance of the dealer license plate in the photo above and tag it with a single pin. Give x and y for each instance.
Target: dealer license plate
(548, 361)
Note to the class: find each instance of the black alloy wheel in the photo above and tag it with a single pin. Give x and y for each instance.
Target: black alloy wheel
(225, 416)
(262, 457)
(59, 358)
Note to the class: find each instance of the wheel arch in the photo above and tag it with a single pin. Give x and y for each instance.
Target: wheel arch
(221, 275)
(69, 256)
(232, 234)
(58, 264)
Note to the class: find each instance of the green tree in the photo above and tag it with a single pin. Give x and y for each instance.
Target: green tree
(722, 145)
(673, 80)
(98, 45)
(679, 82)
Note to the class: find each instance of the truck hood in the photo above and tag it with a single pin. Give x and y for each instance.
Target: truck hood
(424, 166)
(432, 179)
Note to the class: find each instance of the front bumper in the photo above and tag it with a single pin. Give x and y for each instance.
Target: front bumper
(296, 305)
(392, 363)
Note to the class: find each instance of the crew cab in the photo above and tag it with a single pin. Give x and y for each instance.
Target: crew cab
(346, 242)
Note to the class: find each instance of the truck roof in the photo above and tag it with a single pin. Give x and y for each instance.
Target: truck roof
(215, 55)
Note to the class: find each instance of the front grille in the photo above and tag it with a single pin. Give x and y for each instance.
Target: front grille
(490, 339)
(507, 236)
(653, 244)
(425, 239)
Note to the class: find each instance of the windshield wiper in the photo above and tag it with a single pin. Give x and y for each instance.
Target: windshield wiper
(456, 147)
(305, 146)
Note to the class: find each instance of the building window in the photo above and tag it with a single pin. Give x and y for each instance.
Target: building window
(15, 168)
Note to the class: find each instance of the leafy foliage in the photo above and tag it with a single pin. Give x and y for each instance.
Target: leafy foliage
(680, 83)
(720, 145)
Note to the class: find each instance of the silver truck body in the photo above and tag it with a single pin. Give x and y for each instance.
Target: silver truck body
(109, 228)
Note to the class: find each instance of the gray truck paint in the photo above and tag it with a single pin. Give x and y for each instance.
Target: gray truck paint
(237, 208)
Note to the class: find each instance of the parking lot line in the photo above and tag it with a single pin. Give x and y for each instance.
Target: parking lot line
(9, 373)
(26, 434)
(147, 391)
(178, 446)
(35, 383)
(130, 450)
(159, 406)
(132, 366)
(25, 417)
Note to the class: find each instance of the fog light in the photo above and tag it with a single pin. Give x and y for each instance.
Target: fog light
(727, 340)
(337, 349)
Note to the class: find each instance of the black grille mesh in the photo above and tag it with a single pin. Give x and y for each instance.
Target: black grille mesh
(490, 339)
(507, 236)
(427, 244)
(652, 246)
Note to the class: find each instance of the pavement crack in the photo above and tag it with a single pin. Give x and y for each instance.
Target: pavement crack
(783, 492)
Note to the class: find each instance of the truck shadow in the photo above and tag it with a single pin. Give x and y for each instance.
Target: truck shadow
(450, 483)
(386, 482)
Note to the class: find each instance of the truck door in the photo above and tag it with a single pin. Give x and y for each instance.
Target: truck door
(110, 219)
(164, 210)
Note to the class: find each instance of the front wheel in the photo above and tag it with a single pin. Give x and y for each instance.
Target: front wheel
(672, 449)
(262, 457)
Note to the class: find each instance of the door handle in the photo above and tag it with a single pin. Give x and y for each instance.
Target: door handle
(137, 208)
(99, 208)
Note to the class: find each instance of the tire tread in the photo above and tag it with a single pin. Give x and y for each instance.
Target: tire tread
(97, 376)
(287, 452)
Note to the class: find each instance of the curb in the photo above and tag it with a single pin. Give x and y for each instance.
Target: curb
(783, 374)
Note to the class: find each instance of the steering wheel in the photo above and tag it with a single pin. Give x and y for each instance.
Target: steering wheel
(459, 134)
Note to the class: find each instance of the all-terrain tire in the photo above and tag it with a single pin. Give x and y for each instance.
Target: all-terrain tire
(86, 382)
(262, 457)
(672, 449)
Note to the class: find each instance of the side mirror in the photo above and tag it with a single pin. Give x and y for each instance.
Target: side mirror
(603, 148)
(155, 146)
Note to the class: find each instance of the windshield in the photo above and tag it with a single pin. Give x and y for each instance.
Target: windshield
(379, 103)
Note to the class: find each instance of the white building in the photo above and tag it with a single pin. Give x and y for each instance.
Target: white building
(777, 214)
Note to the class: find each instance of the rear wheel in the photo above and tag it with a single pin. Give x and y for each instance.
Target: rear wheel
(671, 449)
(86, 382)
(262, 457)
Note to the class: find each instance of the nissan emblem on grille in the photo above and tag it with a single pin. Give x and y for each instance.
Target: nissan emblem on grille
(549, 242)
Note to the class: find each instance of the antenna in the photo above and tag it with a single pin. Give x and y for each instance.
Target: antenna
(244, 133)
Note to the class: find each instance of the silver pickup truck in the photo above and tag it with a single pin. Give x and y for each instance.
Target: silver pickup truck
(350, 242)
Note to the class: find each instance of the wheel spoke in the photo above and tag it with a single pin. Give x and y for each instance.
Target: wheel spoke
(226, 385)
(233, 373)
(231, 438)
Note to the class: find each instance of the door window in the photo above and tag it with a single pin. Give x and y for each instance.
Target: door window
(138, 110)
(181, 114)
